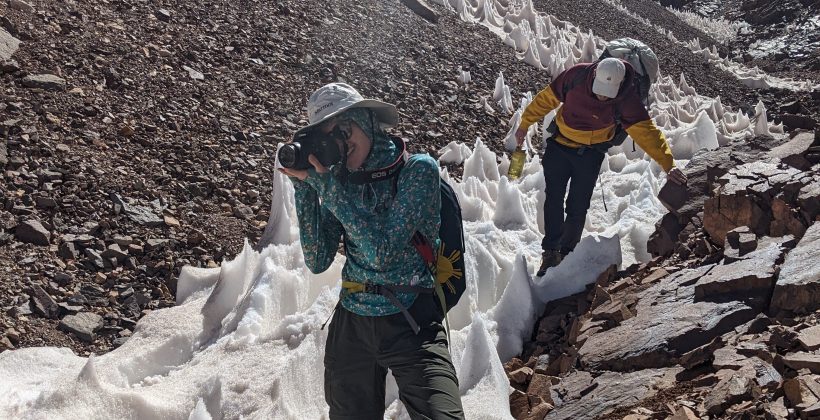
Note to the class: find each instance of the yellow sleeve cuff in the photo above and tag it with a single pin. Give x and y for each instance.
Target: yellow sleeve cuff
(540, 106)
(653, 142)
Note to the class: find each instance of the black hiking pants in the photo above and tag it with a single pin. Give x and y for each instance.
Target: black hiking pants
(360, 350)
(580, 168)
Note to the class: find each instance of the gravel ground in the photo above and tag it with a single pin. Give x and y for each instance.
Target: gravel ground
(156, 150)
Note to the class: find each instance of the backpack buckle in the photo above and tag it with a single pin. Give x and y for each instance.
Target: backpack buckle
(375, 289)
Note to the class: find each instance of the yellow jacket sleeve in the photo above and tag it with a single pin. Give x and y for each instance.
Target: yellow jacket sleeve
(540, 106)
(653, 142)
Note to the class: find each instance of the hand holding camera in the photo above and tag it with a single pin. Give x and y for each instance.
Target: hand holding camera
(311, 148)
(301, 174)
(324, 146)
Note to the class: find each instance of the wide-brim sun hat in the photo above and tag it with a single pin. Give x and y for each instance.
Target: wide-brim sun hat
(333, 99)
(609, 74)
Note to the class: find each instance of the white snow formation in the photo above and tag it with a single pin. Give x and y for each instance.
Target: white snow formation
(245, 340)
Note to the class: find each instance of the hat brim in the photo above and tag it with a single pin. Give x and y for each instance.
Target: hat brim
(610, 90)
(387, 114)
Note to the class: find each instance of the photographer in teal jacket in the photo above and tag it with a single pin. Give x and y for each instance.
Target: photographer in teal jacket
(372, 332)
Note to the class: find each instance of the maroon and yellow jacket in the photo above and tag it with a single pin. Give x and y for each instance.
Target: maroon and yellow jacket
(584, 120)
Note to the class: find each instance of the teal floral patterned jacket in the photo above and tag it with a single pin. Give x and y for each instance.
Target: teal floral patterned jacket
(375, 225)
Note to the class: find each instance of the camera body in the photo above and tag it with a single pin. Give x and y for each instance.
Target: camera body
(294, 155)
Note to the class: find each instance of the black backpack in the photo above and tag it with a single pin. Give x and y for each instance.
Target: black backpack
(447, 263)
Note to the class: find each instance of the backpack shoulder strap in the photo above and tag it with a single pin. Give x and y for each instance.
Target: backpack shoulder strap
(390, 171)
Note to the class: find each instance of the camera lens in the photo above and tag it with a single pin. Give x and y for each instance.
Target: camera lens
(288, 154)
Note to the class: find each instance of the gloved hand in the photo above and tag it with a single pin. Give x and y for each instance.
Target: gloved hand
(677, 176)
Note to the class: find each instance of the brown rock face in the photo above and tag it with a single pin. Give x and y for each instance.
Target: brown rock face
(798, 286)
(810, 338)
(802, 360)
(664, 240)
(668, 323)
(540, 385)
(684, 203)
(761, 195)
(731, 390)
(728, 211)
(802, 390)
(794, 152)
(749, 280)
(587, 399)
(519, 404)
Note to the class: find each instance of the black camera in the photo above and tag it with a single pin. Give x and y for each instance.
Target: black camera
(294, 155)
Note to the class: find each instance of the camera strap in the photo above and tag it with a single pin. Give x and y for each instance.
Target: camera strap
(389, 171)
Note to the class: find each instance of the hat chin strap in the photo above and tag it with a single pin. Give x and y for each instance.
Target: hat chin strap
(389, 171)
(344, 173)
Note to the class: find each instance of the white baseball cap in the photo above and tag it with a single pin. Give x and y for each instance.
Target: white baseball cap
(608, 77)
(332, 99)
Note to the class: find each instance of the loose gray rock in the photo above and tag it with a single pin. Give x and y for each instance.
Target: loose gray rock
(68, 251)
(4, 154)
(43, 304)
(62, 278)
(193, 74)
(114, 251)
(21, 6)
(154, 244)
(32, 232)
(44, 81)
(728, 391)
(139, 214)
(163, 15)
(8, 45)
(9, 66)
(793, 153)
(83, 325)
(798, 286)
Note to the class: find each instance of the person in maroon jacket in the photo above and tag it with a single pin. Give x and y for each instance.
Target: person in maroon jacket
(597, 98)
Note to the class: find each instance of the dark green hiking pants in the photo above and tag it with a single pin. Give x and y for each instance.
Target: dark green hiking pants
(360, 350)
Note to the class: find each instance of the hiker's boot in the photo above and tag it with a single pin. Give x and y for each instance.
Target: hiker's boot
(549, 258)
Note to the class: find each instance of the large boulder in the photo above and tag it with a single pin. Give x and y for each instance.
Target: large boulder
(798, 287)
(756, 195)
(585, 397)
(703, 169)
(668, 323)
(685, 202)
(749, 280)
(793, 153)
